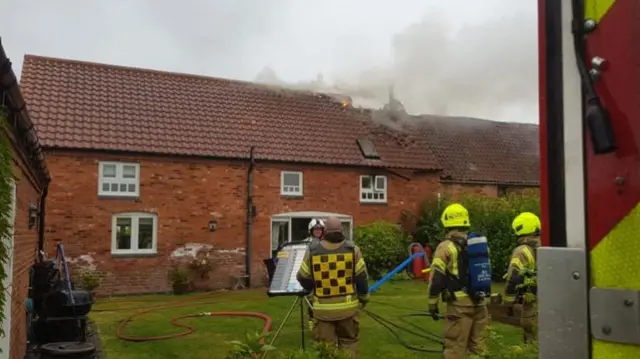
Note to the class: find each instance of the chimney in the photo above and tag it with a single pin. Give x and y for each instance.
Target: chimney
(392, 100)
(394, 108)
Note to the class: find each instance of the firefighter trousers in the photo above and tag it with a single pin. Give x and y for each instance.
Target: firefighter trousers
(529, 321)
(465, 331)
(344, 333)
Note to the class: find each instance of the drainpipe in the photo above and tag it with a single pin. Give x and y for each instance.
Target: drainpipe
(248, 244)
(43, 201)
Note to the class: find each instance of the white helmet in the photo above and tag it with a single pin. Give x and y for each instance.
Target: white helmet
(316, 223)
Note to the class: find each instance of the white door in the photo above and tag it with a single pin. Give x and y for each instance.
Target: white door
(7, 282)
(280, 233)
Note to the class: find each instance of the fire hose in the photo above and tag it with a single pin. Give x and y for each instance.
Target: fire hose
(416, 331)
(208, 298)
(176, 321)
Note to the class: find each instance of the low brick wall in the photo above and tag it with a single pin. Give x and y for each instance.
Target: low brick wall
(499, 314)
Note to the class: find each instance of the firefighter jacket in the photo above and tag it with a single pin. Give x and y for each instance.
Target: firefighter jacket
(336, 275)
(450, 273)
(523, 257)
(310, 239)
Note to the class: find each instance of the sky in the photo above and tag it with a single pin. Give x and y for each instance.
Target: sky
(454, 57)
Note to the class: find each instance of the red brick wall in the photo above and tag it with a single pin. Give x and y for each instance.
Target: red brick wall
(524, 190)
(24, 252)
(457, 189)
(186, 194)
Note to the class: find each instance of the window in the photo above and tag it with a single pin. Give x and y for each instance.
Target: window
(119, 179)
(134, 233)
(280, 234)
(291, 183)
(502, 191)
(373, 189)
(368, 149)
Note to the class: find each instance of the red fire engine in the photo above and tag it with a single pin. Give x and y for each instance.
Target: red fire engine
(589, 265)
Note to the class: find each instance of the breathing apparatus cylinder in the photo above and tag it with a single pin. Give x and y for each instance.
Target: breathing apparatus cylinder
(479, 264)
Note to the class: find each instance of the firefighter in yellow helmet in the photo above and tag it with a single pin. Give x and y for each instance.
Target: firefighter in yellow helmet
(466, 316)
(521, 289)
(334, 270)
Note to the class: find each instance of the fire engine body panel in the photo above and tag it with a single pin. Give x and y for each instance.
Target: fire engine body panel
(589, 267)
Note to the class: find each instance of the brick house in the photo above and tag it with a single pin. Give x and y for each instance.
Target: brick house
(29, 190)
(482, 156)
(160, 165)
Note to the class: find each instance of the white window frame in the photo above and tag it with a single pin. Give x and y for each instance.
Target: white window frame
(287, 218)
(374, 182)
(301, 183)
(135, 217)
(118, 179)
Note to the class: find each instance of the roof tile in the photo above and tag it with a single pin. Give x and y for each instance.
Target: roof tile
(83, 105)
(471, 149)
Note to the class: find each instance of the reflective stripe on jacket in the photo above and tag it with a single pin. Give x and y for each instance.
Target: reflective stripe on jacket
(449, 272)
(523, 256)
(335, 269)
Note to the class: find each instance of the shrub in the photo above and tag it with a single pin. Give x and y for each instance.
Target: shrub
(253, 347)
(497, 349)
(6, 209)
(89, 279)
(383, 246)
(491, 216)
(179, 279)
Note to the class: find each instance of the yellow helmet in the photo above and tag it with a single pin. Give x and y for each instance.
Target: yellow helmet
(455, 215)
(526, 223)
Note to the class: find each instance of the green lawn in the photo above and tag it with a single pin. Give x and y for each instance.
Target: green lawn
(213, 333)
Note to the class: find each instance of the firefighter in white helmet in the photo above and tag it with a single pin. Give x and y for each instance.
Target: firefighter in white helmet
(316, 230)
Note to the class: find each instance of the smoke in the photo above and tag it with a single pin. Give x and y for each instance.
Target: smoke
(486, 70)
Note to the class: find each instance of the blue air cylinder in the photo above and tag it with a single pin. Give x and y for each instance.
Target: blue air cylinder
(479, 264)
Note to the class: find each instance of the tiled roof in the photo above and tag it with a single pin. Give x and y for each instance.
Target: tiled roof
(480, 150)
(81, 105)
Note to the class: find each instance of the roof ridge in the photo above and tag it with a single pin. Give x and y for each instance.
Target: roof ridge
(428, 117)
(261, 86)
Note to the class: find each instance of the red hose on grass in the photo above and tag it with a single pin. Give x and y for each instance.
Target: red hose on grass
(176, 321)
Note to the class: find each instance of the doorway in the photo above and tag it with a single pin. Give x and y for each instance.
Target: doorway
(5, 342)
(293, 226)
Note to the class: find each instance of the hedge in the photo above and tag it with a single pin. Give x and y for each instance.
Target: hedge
(491, 216)
(385, 244)
(6, 193)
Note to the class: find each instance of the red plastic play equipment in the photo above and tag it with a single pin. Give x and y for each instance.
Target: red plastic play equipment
(420, 263)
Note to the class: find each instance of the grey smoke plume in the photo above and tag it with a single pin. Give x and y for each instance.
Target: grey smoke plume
(486, 70)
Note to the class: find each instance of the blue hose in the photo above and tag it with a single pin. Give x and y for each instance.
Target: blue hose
(396, 270)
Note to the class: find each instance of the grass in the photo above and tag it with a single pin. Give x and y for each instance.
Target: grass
(213, 333)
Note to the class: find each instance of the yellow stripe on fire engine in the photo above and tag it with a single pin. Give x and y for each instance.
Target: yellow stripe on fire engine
(596, 9)
(615, 264)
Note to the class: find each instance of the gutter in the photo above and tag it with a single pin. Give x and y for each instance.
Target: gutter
(249, 244)
(41, 224)
(22, 123)
(522, 184)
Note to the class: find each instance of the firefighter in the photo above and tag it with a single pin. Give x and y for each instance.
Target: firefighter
(521, 288)
(334, 271)
(316, 230)
(466, 316)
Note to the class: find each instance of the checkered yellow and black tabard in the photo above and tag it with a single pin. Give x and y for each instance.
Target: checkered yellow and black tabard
(333, 274)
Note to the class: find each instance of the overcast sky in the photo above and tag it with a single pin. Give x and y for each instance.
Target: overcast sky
(454, 57)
